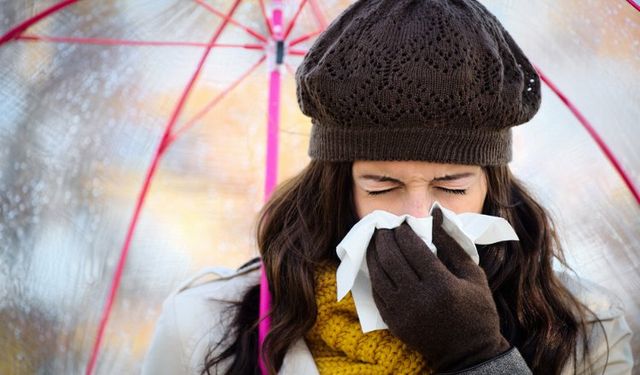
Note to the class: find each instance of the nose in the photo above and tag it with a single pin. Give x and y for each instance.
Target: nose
(418, 205)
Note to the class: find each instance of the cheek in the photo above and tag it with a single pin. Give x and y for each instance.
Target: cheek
(362, 203)
(472, 201)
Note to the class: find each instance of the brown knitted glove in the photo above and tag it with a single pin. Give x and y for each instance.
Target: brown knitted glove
(439, 305)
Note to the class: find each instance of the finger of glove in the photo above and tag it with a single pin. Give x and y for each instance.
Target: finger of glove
(392, 260)
(452, 254)
(384, 289)
(422, 261)
(384, 308)
(381, 282)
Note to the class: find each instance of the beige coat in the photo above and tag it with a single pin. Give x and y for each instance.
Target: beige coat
(193, 316)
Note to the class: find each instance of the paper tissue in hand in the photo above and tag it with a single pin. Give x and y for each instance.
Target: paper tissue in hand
(352, 275)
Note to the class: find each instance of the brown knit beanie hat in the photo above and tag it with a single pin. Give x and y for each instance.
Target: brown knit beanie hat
(432, 80)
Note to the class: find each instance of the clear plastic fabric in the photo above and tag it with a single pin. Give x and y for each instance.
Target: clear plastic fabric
(80, 123)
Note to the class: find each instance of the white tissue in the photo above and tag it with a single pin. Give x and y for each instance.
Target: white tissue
(352, 275)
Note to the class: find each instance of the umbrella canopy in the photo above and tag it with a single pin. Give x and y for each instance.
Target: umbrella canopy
(88, 90)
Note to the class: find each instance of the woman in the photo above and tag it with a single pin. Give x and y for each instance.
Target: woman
(411, 102)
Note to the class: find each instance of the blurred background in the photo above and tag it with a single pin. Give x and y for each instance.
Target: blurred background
(80, 123)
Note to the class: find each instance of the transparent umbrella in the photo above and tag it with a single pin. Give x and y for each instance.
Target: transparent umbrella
(167, 114)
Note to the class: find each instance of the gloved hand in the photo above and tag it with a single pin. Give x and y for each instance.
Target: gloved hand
(439, 305)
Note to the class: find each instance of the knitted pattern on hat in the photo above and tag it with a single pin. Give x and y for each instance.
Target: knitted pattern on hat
(338, 345)
(433, 80)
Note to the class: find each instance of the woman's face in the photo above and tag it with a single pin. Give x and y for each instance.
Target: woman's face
(411, 187)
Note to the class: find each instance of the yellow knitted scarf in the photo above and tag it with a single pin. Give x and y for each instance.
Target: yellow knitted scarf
(338, 345)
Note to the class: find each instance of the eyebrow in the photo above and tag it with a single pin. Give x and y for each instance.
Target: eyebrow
(449, 177)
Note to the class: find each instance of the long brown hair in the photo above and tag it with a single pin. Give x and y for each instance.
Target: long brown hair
(308, 215)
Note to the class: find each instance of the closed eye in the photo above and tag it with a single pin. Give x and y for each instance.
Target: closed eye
(450, 191)
(453, 191)
(378, 192)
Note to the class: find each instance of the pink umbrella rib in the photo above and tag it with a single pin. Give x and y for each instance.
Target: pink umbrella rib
(145, 188)
(634, 4)
(20, 28)
(294, 19)
(290, 70)
(297, 52)
(265, 17)
(106, 41)
(15, 33)
(320, 18)
(214, 102)
(248, 29)
(304, 38)
(127, 42)
(594, 135)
